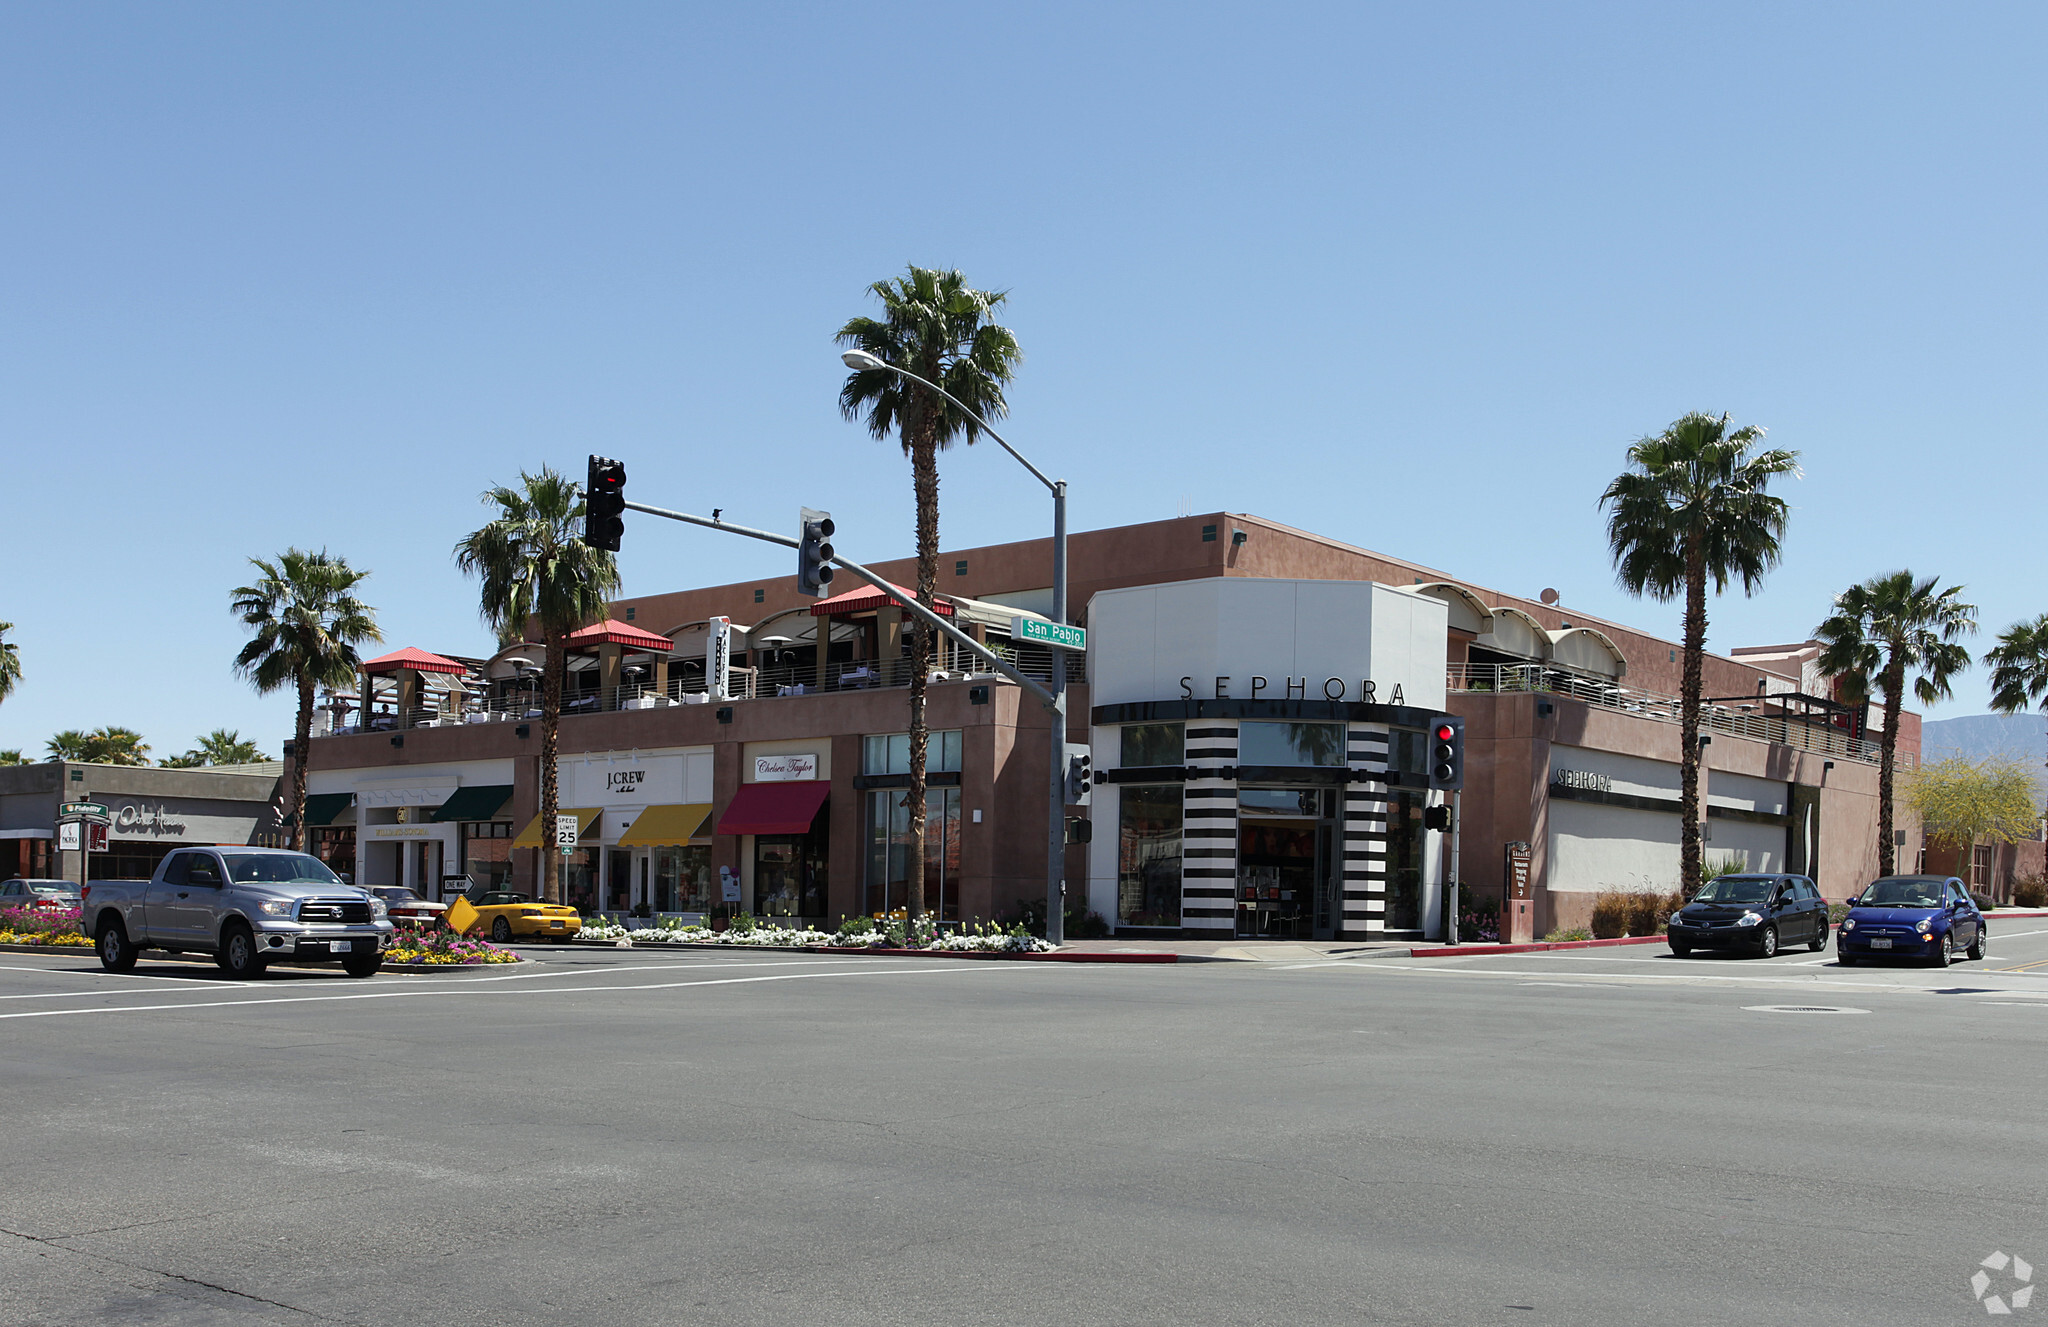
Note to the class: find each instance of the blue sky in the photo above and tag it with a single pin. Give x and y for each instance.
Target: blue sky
(318, 275)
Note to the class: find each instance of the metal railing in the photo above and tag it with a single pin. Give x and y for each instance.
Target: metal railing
(768, 681)
(1753, 721)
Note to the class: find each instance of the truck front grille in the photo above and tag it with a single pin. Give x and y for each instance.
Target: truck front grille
(347, 911)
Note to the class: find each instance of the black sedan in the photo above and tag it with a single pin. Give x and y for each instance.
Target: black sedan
(1757, 913)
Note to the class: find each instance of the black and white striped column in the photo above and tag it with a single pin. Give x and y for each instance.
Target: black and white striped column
(1208, 873)
(1365, 835)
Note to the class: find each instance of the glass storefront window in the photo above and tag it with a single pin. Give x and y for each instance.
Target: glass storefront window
(789, 875)
(889, 753)
(486, 853)
(1153, 744)
(683, 879)
(887, 886)
(336, 849)
(1405, 840)
(579, 880)
(1265, 743)
(1148, 854)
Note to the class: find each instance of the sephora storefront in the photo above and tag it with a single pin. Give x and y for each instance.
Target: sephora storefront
(1259, 752)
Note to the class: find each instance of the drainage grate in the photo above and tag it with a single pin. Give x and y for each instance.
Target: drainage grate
(1801, 1009)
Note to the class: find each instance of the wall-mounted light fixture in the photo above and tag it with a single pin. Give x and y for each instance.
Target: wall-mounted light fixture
(521, 731)
(1544, 708)
(398, 739)
(1237, 538)
(725, 714)
(977, 695)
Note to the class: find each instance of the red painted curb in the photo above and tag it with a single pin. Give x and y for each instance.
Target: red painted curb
(1463, 951)
(1054, 957)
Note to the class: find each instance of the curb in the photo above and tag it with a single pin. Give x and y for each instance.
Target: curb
(86, 950)
(1467, 951)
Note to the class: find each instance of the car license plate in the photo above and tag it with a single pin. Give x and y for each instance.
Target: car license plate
(342, 946)
(1880, 944)
(556, 924)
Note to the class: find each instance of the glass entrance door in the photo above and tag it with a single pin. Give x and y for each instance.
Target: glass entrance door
(1287, 864)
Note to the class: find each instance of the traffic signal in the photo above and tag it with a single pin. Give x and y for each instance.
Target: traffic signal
(813, 554)
(1436, 817)
(1447, 753)
(1080, 829)
(604, 503)
(1080, 774)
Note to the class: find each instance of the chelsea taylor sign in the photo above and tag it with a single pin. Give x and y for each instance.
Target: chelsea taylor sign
(1256, 687)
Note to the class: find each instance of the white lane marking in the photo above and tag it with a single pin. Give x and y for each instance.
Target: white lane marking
(557, 990)
(2013, 935)
(1621, 978)
(2014, 1004)
(1575, 985)
(187, 982)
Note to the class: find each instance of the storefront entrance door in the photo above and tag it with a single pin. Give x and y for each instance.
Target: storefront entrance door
(1287, 864)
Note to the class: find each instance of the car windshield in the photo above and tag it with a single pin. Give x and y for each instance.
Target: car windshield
(50, 887)
(1903, 894)
(278, 868)
(1734, 889)
(396, 894)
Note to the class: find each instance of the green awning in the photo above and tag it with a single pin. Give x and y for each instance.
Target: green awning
(322, 808)
(474, 803)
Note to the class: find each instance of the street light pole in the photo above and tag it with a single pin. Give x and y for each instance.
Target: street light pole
(1056, 840)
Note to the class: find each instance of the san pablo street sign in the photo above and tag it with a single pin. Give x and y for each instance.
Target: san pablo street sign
(1041, 632)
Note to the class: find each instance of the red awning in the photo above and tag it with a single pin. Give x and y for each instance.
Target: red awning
(774, 808)
(611, 631)
(417, 660)
(868, 597)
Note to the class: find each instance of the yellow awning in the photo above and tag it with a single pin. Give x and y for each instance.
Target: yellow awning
(668, 826)
(586, 816)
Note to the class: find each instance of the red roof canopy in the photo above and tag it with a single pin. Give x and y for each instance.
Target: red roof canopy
(774, 808)
(611, 631)
(868, 597)
(417, 660)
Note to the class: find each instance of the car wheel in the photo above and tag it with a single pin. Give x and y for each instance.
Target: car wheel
(1845, 958)
(1819, 941)
(116, 954)
(1977, 945)
(1767, 943)
(363, 967)
(501, 930)
(238, 957)
(1945, 952)
(1680, 949)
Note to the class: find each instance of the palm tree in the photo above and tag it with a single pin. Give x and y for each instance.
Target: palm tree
(13, 756)
(10, 662)
(102, 746)
(307, 622)
(1881, 630)
(222, 746)
(2019, 667)
(937, 326)
(1693, 507)
(536, 568)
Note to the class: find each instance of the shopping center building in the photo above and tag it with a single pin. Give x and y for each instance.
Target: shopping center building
(151, 811)
(1254, 697)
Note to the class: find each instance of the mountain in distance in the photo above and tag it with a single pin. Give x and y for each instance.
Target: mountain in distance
(2023, 737)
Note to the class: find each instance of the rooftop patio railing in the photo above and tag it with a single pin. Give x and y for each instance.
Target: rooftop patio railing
(768, 681)
(1752, 720)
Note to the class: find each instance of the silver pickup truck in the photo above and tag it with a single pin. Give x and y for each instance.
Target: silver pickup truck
(248, 907)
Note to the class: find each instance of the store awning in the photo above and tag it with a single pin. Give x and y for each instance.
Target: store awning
(611, 631)
(867, 598)
(668, 826)
(322, 808)
(586, 816)
(416, 659)
(479, 803)
(774, 808)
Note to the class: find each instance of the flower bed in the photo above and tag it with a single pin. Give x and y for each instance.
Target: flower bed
(56, 927)
(854, 933)
(442, 948)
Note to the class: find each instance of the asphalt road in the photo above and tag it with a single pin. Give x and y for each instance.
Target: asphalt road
(1589, 1137)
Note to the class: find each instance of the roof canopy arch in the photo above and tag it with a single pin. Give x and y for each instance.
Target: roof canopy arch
(1514, 632)
(1587, 650)
(1467, 612)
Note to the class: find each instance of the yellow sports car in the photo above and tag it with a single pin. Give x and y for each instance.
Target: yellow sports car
(505, 915)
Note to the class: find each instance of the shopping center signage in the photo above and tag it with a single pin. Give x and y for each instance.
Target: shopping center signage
(1258, 687)
(718, 658)
(1584, 780)
(792, 768)
(138, 818)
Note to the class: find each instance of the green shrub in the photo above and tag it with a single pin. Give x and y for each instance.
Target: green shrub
(2030, 891)
(1574, 933)
(1610, 914)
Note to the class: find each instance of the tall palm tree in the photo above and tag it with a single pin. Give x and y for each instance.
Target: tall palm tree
(1881, 630)
(535, 567)
(937, 326)
(2019, 667)
(1694, 507)
(306, 622)
(106, 745)
(10, 662)
(222, 746)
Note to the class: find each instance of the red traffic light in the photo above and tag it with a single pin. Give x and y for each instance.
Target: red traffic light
(1444, 732)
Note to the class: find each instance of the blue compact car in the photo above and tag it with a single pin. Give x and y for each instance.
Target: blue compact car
(1928, 918)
